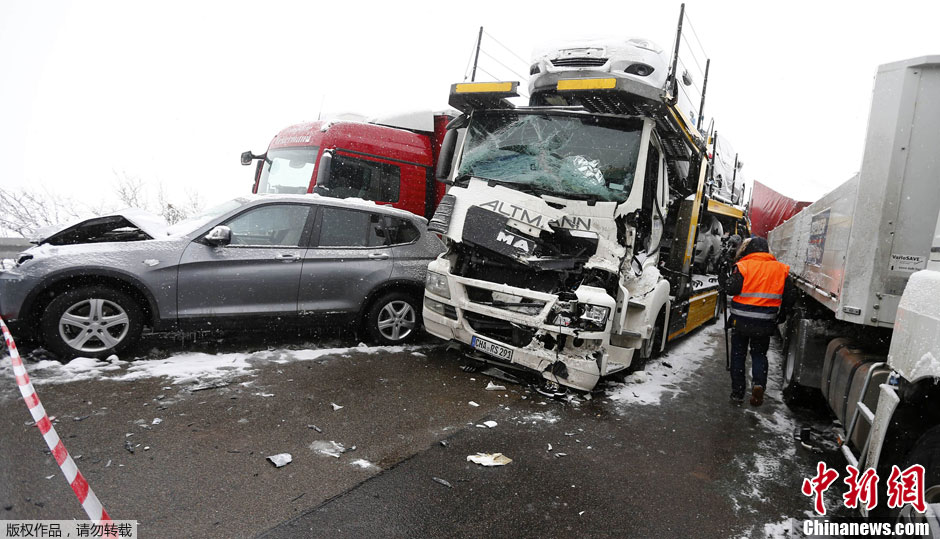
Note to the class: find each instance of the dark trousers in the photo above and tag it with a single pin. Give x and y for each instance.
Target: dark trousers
(739, 345)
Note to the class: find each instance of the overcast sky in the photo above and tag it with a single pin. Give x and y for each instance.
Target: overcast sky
(173, 92)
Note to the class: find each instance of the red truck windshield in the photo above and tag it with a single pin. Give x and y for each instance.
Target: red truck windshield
(288, 170)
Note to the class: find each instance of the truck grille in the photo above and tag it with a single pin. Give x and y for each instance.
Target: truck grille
(579, 62)
(506, 302)
(499, 330)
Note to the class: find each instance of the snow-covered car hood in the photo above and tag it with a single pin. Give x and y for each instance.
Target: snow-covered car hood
(131, 224)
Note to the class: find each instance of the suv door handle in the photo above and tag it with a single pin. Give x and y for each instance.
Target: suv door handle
(287, 257)
(378, 256)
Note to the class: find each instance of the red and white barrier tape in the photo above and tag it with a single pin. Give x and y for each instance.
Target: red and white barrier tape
(86, 496)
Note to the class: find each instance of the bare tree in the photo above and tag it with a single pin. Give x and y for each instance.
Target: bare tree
(130, 190)
(23, 212)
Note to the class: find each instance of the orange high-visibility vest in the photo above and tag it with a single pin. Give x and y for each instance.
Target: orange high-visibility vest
(762, 293)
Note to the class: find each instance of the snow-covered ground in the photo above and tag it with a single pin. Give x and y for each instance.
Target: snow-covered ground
(195, 368)
(668, 377)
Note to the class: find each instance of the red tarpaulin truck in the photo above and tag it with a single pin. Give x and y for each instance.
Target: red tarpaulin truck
(389, 160)
(769, 208)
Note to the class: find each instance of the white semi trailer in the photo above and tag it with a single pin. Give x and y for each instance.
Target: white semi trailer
(866, 258)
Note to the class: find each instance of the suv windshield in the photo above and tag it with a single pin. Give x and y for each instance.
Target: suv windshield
(566, 155)
(288, 170)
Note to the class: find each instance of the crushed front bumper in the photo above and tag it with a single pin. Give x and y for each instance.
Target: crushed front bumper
(572, 357)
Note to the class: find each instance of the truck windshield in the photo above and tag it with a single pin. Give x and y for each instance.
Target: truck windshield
(288, 170)
(564, 155)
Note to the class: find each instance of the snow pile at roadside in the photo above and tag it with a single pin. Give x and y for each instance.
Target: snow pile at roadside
(667, 375)
(187, 367)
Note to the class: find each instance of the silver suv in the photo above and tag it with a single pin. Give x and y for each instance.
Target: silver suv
(263, 261)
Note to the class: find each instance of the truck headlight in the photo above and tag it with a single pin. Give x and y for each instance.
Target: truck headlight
(436, 284)
(595, 314)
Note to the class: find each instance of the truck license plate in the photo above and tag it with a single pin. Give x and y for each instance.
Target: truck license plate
(492, 349)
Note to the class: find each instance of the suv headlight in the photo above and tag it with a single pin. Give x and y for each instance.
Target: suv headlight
(436, 284)
(595, 314)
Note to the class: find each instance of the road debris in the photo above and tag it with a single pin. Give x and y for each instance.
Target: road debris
(475, 405)
(210, 386)
(281, 459)
(443, 482)
(336, 406)
(559, 455)
(314, 427)
(495, 387)
(298, 497)
(489, 459)
(549, 447)
(443, 443)
(331, 448)
(81, 418)
(500, 374)
(490, 424)
(157, 421)
(129, 446)
(363, 463)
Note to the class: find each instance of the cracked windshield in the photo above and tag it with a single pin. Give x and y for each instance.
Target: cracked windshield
(563, 155)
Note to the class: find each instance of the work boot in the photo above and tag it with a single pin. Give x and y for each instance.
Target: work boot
(757, 396)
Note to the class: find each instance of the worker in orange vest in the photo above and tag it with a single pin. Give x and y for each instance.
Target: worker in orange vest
(759, 285)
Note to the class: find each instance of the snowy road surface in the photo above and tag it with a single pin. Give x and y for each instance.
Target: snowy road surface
(663, 455)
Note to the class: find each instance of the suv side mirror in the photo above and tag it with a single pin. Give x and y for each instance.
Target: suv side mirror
(323, 171)
(446, 158)
(219, 236)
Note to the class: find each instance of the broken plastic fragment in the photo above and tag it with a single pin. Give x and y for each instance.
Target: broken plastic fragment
(471, 403)
(330, 449)
(443, 482)
(494, 387)
(549, 447)
(490, 424)
(151, 262)
(281, 459)
(157, 421)
(489, 459)
(336, 406)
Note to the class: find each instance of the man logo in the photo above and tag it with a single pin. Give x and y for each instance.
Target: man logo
(514, 241)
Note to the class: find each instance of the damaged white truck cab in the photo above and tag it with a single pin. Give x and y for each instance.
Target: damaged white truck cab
(570, 226)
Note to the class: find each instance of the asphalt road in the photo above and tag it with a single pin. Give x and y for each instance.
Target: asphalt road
(619, 464)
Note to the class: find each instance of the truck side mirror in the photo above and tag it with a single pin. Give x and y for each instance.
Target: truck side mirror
(446, 158)
(323, 172)
(219, 236)
(247, 158)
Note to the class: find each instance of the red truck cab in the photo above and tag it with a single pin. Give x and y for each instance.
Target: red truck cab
(387, 160)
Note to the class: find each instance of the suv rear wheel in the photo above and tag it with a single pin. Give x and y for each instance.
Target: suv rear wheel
(94, 321)
(393, 318)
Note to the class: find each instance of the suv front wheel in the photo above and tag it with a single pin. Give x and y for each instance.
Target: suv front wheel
(94, 321)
